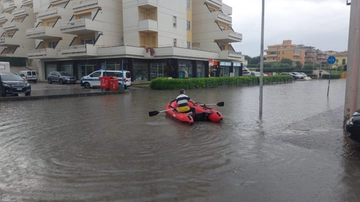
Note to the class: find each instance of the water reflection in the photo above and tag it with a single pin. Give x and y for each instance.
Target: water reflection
(108, 148)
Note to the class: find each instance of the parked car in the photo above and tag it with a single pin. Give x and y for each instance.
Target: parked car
(93, 79)
(29, 75)
(306, 77)
(245, 71)
(297, 75)
(61, 77)
(13, 84)
(353, 126)
(257, 74)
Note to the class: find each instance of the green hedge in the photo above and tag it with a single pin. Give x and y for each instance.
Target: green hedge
(190, 83)
(326, 76)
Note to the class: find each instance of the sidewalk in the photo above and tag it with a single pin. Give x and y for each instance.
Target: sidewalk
(42, 90)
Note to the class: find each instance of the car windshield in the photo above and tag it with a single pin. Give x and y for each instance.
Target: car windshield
(64, 74)
(11, 77)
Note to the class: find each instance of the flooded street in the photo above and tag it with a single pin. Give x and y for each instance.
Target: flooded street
(107, 148)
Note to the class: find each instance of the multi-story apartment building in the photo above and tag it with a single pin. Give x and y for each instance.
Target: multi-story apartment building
(275, 53)
(151, 38)
(16, 17)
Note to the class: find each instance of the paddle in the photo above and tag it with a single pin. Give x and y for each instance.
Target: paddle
(154, 113)
(220, 104)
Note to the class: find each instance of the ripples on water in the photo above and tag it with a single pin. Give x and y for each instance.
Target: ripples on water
(107, 148)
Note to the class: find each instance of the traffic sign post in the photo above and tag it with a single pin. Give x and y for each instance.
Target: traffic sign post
(331, 60)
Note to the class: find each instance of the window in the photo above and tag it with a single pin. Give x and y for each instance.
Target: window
(153, 16)
(343, 61)
(52, 44)
(174, 21)
(188, 25)
(188, 45)
(188, 4)
(175, 42)
(87, 41)
(222, 47)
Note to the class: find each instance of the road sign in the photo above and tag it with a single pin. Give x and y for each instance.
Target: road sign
(331, 60)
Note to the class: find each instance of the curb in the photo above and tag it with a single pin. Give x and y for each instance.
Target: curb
(42, 97)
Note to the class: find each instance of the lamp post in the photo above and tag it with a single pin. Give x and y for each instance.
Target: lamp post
(261, 61)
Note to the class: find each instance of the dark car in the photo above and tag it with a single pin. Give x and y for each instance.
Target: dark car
(61, 77)
(13, 84)
(353, 126)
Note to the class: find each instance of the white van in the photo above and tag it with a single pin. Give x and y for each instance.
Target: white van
(29, 75)
(93, 79)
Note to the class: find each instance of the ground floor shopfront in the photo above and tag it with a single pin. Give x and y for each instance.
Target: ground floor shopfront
(147, 69)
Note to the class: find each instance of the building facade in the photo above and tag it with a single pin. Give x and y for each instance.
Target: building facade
(150, 38)
(275, 53)
(341, 59)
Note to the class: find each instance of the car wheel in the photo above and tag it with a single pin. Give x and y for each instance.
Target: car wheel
(28, 93)
(49, 81)
(3, 92)
(87, 85)
(61, 81)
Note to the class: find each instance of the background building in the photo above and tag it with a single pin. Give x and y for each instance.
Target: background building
(151, 38)
(275, 53)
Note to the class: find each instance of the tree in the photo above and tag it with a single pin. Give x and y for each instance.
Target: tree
(298, 65)
(248, 58)
(255, 60)
(286, 60)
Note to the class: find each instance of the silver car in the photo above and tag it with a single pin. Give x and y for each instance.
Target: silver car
(61, 77)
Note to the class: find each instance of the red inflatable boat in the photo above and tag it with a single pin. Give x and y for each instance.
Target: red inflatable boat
(203, 112)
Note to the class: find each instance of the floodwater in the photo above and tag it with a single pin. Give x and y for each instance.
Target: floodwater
(107, 148)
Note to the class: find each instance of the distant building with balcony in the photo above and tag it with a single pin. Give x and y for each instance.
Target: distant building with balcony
(151, 38)
(275, 53)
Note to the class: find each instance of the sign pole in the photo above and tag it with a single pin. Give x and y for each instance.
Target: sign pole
(331, 60)
(261, 61)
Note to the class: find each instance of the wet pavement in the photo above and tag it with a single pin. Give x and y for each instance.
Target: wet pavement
(107, 148)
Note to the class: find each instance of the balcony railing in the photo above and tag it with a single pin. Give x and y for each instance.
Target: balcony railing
(19, 12)
(43, 32)
(222, 17)
(147, 2)
(51, 12)
(85, 5)
(148, 25)
(217, 3)
(85, 49)
(27, 2)
(9, 5)
(43, 53)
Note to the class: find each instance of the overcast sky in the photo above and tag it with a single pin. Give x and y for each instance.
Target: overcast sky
(323, 24)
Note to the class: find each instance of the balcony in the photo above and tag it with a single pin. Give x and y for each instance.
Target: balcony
(8, 6)
(27, 2)
(231, 55)
(222, 17)
(217, 3)
(85, 5)
(80, 50)
(43, 33)
(5, 17)
(53, 12)
(7, 41)
(148, 25)
(21, 11)
(43, 53)
(147, 4)
(82, 26)
(8, 26)
(229, 36)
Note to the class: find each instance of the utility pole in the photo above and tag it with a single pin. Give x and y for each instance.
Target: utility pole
(261, 61)
(352, 94)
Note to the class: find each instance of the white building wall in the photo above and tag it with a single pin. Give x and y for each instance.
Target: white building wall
(111, 16)
(40, 5)
(166, 10)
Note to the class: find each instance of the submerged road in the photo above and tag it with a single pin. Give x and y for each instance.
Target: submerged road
(107, 148)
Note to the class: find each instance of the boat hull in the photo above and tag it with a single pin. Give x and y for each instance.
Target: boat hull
(203, 113)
